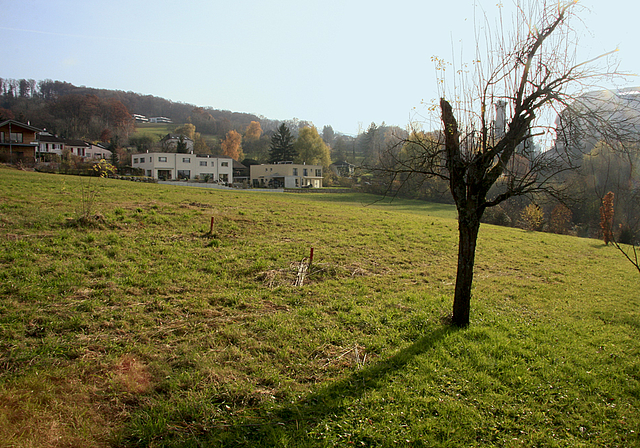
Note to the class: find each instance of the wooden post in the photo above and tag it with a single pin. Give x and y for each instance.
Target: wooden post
(303, 268)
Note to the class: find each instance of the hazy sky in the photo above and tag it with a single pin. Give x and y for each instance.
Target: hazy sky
(345, 63)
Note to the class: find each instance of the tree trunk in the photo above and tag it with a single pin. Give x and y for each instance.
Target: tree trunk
(468, 235)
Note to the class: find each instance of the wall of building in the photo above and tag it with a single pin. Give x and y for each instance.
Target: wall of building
(186, 166)
(287, 175)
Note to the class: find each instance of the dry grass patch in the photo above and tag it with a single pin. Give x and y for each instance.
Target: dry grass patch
(132, 375)
(52, 412)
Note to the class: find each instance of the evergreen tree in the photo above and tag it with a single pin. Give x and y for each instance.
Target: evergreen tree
(181, 146)
(282, 149)
(114, 158)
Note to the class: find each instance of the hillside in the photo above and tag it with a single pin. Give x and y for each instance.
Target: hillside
(142, 328)
(28, 100)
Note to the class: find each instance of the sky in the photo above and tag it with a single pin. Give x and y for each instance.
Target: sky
(344, 63)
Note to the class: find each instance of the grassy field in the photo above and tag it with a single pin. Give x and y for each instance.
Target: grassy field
(141, 328)
(159, 130)
(155, 130)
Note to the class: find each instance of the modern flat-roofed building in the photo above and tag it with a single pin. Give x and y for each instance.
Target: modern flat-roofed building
(174, 166)
(286, 175)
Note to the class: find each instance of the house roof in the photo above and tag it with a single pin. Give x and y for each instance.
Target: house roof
(50, 139)
(344, 163)
(238, 166)
(22, 125)
(77, 143)
(176, 137)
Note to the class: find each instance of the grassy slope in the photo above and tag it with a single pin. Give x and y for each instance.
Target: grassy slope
(159, 130)
(144, 330)
(155, 130)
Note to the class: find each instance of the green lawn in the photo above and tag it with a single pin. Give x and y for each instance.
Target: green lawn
(159, 130)
(155, 130)
(140, 328)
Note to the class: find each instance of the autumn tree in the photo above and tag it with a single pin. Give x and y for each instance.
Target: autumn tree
(532, 217)
(282, 149)
(490, 115)
(232, 145)
(606, 218)
(6, 114)
(311, 148)
(200, 144)
(255, 144)
(253, 132)
(560, 219)
(187, 129)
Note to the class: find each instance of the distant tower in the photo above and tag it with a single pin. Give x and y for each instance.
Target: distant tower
(501, 119)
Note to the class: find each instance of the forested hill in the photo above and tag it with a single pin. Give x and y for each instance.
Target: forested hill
(84, 112)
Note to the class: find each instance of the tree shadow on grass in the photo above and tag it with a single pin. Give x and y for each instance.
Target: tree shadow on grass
(292, 422)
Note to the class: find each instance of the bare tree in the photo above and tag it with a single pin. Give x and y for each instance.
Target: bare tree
(488, 122)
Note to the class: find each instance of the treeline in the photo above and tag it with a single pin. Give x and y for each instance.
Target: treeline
(59, 109)
(606, 170)
(82, 112)
(79, 112)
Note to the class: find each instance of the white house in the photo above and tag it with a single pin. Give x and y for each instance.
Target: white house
(160, 120)
(286, 175)
(50, 144)
(169, 166)
(171, 141)
(98, 152)
(77, 147)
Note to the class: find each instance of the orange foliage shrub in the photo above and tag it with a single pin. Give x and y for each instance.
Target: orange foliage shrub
(606, 218)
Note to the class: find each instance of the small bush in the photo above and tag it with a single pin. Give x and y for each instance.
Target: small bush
(532, 218)
(496, 216)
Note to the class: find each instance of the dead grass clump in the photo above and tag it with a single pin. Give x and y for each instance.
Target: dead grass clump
(271, 307)
(132, 375)
(93, 221)
(274, 278)
(341, 357)
(52, 412)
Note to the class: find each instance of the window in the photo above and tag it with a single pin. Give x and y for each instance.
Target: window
(2, 137)
(295, 173)
(149, 173)
(16, 137)
(318, 173)
(184, 174)
(162, 159)
(141, 159)
(304, 172)
(224, 163)
(203, 163)
(186, 160)
(135, 160)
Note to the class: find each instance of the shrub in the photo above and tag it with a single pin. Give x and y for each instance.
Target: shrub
(560, 221)
(532, 218)
(496, 216)
(606, 218)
